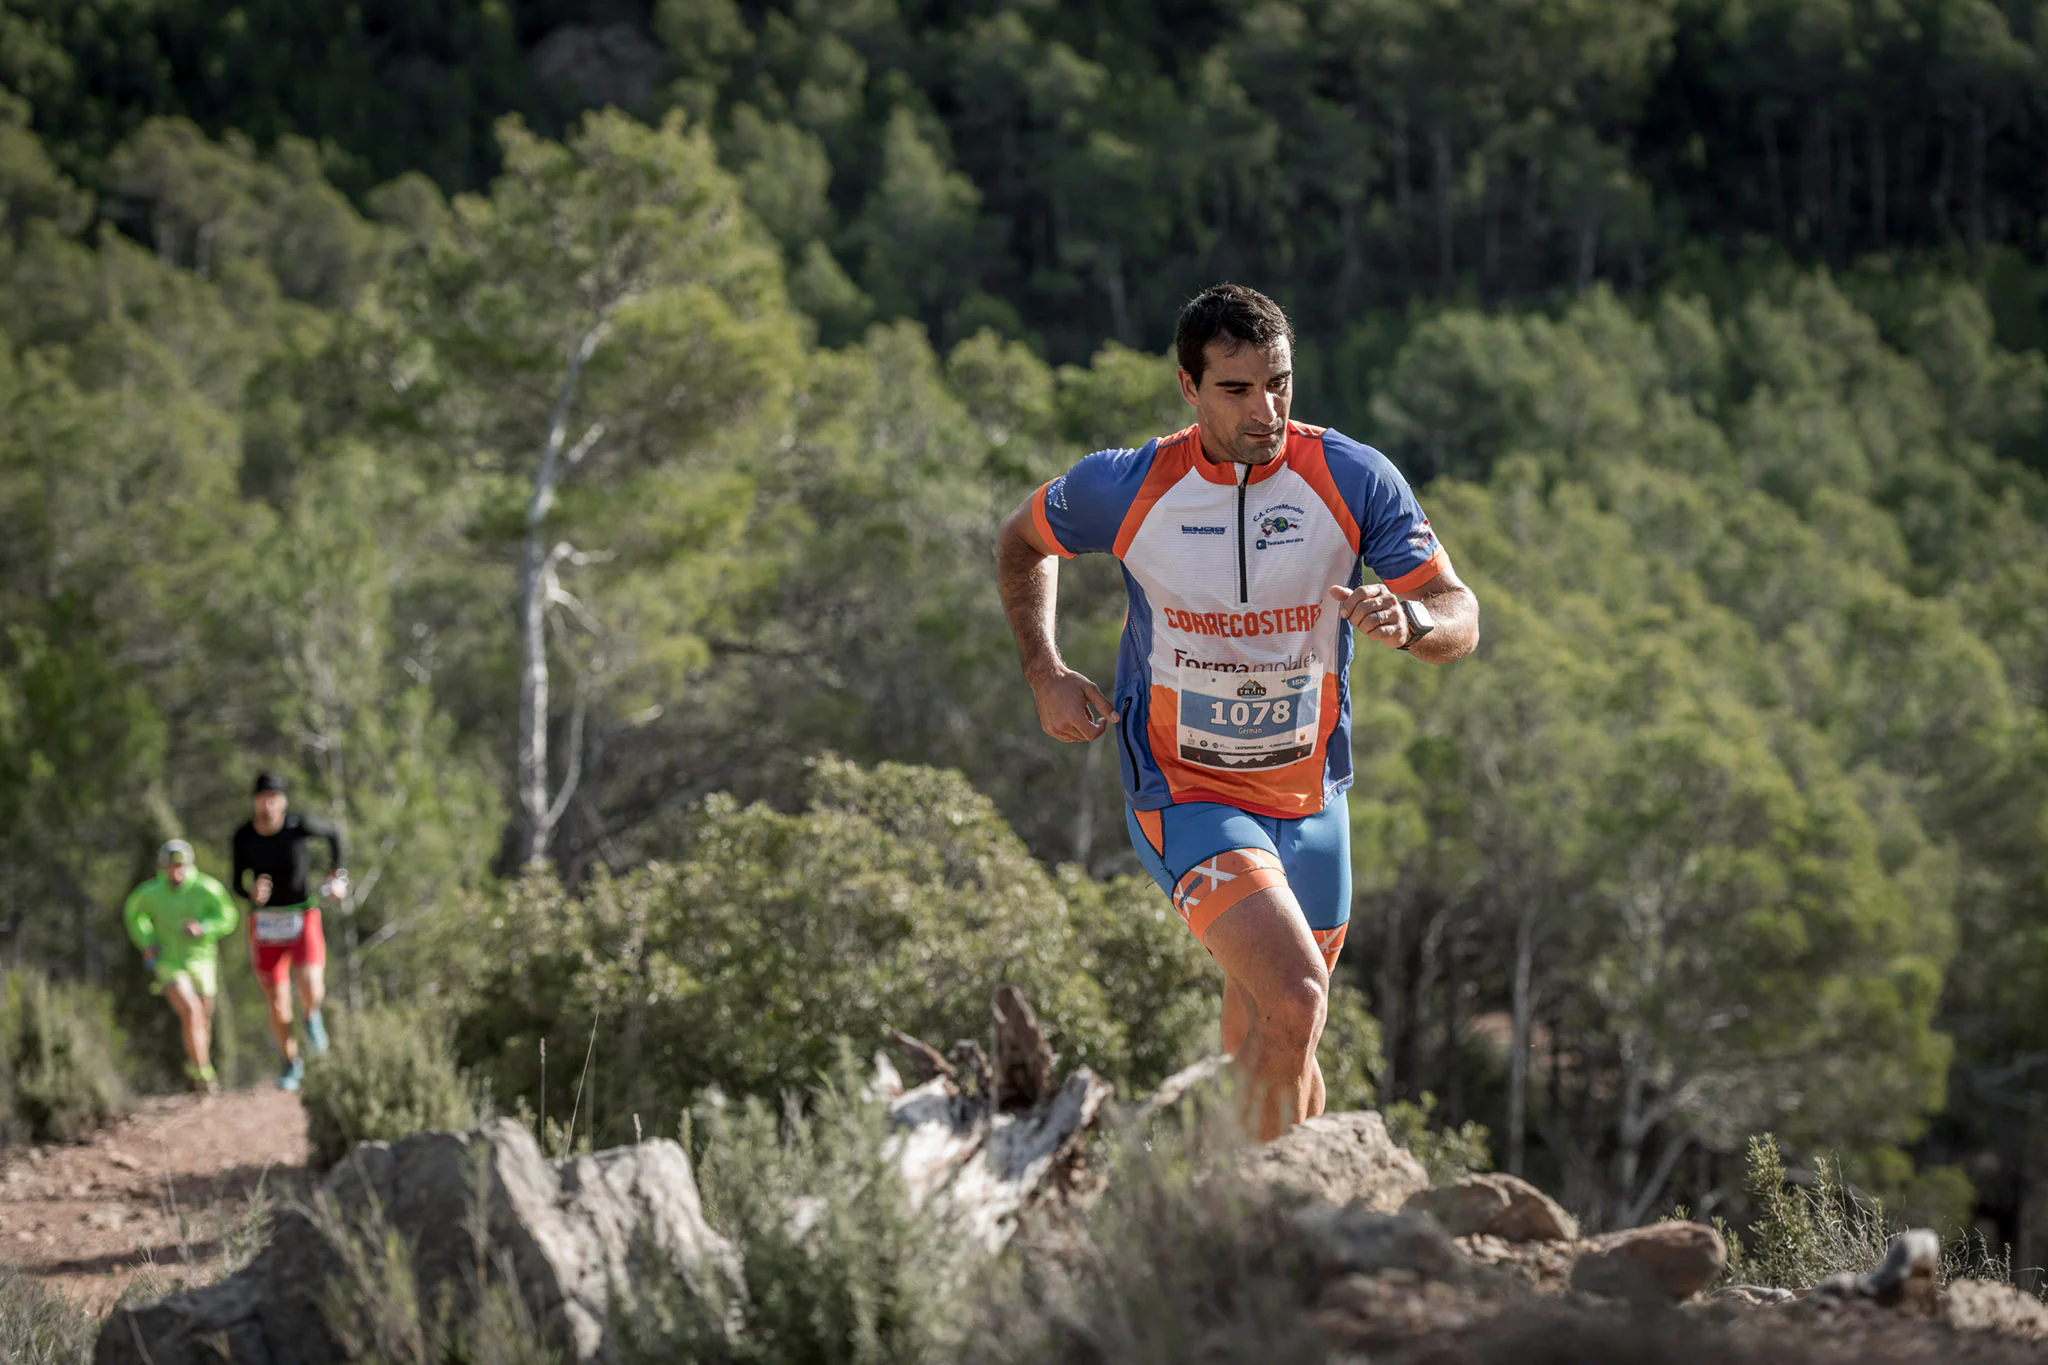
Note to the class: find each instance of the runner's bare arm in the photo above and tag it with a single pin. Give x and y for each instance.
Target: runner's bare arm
(1070, 707)
(1374, 613)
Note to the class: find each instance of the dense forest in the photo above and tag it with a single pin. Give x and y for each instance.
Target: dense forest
(574, 434)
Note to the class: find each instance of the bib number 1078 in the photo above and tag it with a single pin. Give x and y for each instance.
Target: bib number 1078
(1261, 713)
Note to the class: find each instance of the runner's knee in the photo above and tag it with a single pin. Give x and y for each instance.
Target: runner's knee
(1290, 1013)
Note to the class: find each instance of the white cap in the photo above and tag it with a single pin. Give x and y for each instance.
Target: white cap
(176, 851)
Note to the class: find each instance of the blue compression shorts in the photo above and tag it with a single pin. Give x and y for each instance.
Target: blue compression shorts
(1208, 857)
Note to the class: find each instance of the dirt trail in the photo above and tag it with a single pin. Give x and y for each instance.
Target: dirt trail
(167, 1189)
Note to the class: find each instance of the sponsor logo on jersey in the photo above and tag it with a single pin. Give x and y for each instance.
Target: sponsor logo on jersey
(1280, 524)
(1188, 530)
(1304, 660)
(1237, 625)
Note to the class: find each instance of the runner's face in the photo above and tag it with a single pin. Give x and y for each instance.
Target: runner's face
(1242, 402)
(176, 873)
(269, 811)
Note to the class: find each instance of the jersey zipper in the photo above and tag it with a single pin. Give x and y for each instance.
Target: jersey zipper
(1244, 592)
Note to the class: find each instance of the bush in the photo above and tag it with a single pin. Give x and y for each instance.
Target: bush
(1448, 1154)
(1181, 1260)
(58, 1075)
(898, 897)
(837, 1268)
(391, 1073)
(40, 1328)
(1800, 1234)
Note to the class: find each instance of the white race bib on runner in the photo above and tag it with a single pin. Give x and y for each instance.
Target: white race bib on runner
(1230, 719)
(280, 926)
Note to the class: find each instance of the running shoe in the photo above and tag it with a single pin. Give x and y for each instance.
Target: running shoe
(201, 1079)
(316, 1034)
(294, 1072)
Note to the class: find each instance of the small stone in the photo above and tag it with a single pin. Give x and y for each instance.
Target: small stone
(1672, 1261)
(123, 1160)
(1502, 1206)
(105, 1218)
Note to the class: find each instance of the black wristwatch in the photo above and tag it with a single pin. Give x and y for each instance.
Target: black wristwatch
(1420, 622)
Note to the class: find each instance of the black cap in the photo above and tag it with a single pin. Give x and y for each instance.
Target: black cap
(268, 782)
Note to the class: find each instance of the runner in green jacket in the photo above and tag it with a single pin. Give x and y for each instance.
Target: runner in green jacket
(176, 918)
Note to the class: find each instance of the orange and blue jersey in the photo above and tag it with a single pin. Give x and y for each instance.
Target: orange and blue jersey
(1232, 678)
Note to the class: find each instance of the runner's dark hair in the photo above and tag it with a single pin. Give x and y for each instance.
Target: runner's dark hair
(1227, 310)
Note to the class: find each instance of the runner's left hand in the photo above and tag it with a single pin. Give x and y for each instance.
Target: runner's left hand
(1374, 612)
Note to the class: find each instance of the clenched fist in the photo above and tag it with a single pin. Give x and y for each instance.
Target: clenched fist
(1070, 707)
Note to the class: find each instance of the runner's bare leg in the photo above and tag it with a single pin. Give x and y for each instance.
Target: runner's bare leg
(279, 996)
(191, 1019)
(312, 979)
(1269, 956)
(1237, 1018)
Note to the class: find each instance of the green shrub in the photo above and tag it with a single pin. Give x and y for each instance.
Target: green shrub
(1448, 1154)
(1180, 1260)
(58, 1075)
(837, 1267)
(41, 1328)
(1799, 1235)
(897, 898)
(391, 1073)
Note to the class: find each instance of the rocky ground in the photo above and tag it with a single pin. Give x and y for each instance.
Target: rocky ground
(166, 1192)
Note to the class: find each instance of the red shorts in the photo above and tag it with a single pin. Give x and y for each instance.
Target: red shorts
(274, 961)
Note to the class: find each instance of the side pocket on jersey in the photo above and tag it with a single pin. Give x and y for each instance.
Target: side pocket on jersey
(1132, 708)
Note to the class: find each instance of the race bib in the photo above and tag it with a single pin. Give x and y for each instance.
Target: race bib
(280, 926)
(1249, 720)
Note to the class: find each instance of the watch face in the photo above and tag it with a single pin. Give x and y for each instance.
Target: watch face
(1419, 619)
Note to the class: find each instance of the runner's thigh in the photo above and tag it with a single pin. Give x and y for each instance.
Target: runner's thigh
(1315, 852)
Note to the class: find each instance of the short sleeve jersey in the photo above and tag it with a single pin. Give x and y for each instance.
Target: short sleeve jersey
(1233, 675)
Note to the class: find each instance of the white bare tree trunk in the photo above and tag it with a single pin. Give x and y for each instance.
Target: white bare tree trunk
(538, 589)
(1523, 1008)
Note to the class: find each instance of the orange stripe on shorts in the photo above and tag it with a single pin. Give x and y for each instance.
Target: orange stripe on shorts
(1210, 889)
(1331, 943)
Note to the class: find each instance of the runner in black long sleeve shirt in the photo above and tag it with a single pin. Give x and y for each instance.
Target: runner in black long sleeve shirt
(273, 860)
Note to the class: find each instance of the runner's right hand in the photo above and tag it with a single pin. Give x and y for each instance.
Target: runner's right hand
(260, 894)
(1071, 708)
(193, 928)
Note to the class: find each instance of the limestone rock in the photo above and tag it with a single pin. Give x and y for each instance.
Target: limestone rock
(563, 1234)
(1981, 1306)
(1672, 1261)
(1545, 1267)
(1356, 1240)
(1340, 1158)
(1502, 1206)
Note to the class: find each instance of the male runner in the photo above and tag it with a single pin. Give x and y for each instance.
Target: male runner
(285, 941)
(1241, 540)
(176, 918)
